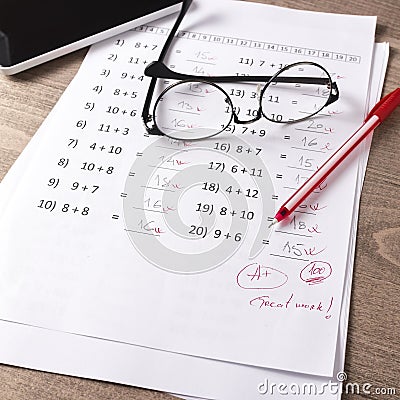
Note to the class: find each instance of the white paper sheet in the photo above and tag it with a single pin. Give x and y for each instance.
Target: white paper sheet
(91, 281)
(16, 335)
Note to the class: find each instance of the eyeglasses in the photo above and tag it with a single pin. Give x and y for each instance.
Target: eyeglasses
(196, 107)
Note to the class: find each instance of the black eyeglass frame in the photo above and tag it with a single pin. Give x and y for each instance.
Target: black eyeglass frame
(158, 70)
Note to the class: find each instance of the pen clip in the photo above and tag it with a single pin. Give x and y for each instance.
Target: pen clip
(386, 105)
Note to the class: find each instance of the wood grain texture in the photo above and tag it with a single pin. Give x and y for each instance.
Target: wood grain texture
(373, 348)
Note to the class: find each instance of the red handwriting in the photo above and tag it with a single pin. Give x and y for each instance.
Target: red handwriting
(148, 227)
(205, 55)
(313, 206)
(180, 143)
(179, 162)
(314, 307)
(257, 276)
(156, 204)
(313, 251)
(320, 187)
(299, 249)
(316, 272)
(265, 301)
(327, 316)
(314, 229)
(334, 112)
(173, 161)
(165, 182)
(320, 307)
(316, 207)
(326, 147)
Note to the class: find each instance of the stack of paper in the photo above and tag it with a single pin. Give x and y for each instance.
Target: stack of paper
(98, 220)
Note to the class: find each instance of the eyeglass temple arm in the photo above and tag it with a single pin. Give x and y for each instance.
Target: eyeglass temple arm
(145, 113)
(158, 69)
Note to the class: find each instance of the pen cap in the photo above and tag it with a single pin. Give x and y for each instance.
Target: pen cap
(387, 105)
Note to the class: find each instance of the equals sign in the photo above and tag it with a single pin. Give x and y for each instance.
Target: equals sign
(115, 216)
(265, 241)
(274, 197)
(283, 155)
(166, 82)
(124, 195)
(270, 219)
(286, 137)
(131, 174)
(294, 101)
(146, 135)
(278, 176)
(172, 66)
(139, 154)
(297, 85)
(179, 51)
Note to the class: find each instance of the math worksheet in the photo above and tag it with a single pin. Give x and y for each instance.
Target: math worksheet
(114, 234)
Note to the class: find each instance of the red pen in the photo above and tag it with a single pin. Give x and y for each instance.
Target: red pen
(376, 116)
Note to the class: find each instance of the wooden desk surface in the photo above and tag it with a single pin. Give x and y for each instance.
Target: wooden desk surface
(373, 348)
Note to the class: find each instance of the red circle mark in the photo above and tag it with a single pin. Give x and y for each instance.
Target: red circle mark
(315, 272)
(257, 276)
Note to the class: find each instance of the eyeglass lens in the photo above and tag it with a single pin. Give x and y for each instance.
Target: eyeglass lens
(292, 101)
(192, 110)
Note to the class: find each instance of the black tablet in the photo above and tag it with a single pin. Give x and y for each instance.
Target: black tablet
(32, 32)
